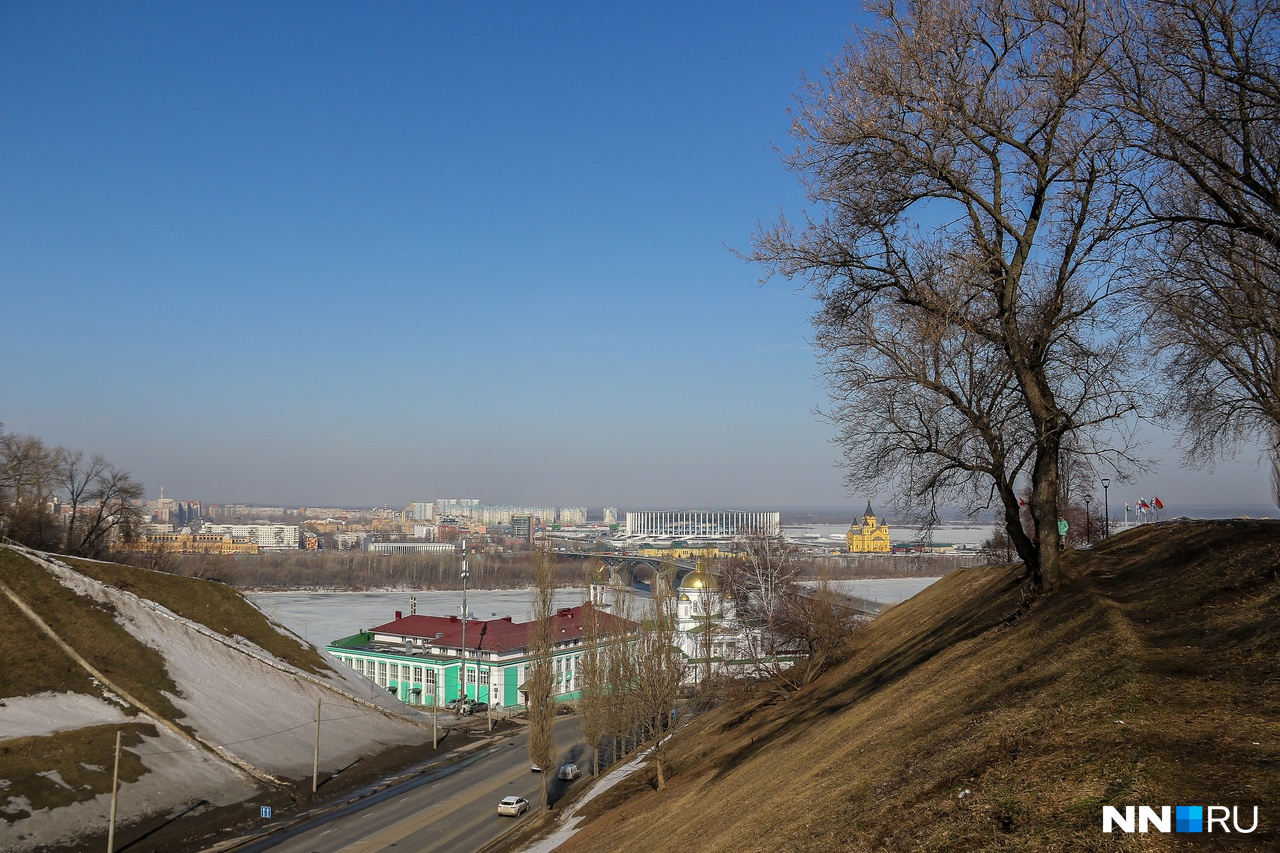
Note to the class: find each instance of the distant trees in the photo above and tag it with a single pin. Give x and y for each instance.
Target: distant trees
(98, 499)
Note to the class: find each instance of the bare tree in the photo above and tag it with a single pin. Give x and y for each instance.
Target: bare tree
(76, 477)
(28, 481)
(538, 678)
(593, 674)
(622, 670)
(816, 622)
(761, 581)
(972, 192)
(113, 495)
(659, 669)
(710, 607)
(1200, 83)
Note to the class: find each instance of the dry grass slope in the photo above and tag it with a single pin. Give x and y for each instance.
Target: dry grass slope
(953, 725)
(87, 626)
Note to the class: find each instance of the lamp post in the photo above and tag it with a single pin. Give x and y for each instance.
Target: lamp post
(462, 676)
(1106, 504)
(1088, 530)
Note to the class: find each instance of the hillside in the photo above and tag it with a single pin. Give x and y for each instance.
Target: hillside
(964, 720)
(214, 702)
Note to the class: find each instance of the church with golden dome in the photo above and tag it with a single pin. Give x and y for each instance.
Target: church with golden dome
(872, 537)
(708, 632)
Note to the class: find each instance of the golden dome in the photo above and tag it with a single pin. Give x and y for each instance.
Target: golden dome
(698, 579)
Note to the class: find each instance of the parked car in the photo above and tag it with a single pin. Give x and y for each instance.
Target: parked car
(514, 806)
(476, 708)
(569, 772)
(533, 768)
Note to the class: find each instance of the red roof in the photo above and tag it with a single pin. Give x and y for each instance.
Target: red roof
(493, 635)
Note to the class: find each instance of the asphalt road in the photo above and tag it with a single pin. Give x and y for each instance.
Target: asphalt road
(453, 810)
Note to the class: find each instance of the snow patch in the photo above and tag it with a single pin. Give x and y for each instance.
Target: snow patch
(46, 713)
(56, 778)
(15, 804)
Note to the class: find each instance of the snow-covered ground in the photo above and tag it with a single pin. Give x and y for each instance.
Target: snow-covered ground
(45, 713)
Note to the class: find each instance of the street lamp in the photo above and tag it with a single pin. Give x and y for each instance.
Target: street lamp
(1088, 529)
(1106, 504)
(462, 677)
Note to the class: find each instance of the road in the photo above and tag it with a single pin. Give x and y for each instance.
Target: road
(452, 810)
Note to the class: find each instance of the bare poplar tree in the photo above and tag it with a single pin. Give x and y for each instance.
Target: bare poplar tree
(538, 678)
(711, 611)
(971, 192)
(1200, 83)
(621, 667)
(593, 676)
(660, 669)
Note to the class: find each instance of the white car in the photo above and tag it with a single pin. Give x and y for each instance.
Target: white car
(514, 806)
(569, 772)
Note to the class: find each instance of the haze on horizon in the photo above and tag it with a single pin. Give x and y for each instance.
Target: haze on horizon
(313, 253)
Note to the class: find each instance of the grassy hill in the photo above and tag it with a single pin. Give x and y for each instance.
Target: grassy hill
(967, 718)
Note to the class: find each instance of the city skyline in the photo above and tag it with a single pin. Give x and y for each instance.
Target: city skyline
(320, 254)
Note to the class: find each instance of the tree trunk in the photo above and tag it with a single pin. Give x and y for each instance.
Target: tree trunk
(1047, 573)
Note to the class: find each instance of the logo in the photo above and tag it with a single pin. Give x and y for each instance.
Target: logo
(1177, 819)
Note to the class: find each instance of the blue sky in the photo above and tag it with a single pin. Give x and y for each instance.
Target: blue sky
(363, 253)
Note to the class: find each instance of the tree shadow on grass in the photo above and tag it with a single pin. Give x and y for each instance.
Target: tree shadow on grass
(839, 690)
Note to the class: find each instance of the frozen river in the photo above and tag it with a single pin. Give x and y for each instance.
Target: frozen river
(322, 617)
(325, 616)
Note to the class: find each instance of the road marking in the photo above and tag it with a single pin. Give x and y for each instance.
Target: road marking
(326, 832)
(402, 799)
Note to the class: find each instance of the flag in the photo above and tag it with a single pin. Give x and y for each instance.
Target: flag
(1156, 503)
(1143, 505)
(1127, 510)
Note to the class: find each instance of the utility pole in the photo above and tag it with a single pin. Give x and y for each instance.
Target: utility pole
(315, 760)
(115, 783)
